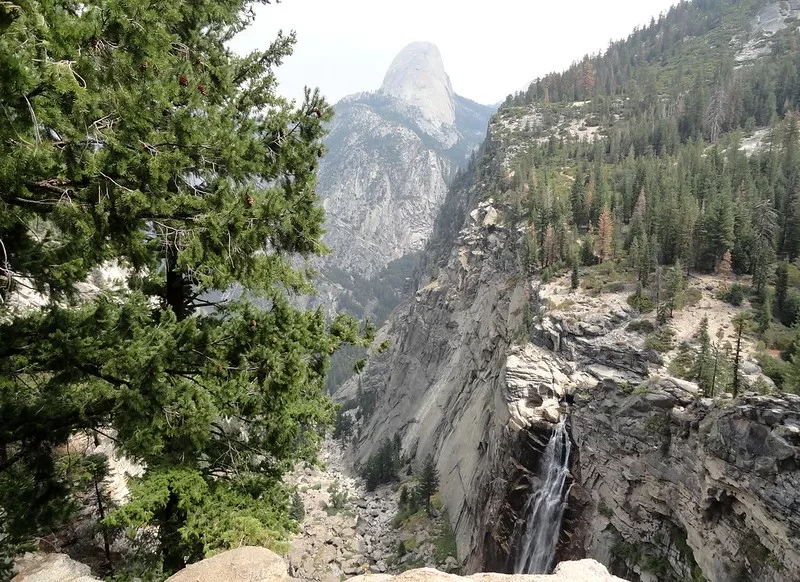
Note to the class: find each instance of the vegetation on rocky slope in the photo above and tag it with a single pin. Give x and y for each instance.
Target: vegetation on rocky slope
(642, 158)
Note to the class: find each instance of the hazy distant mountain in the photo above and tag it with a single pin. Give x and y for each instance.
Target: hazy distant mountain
(391, 155)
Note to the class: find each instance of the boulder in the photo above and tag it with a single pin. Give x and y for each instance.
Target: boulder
(247, 564)
(40, 567)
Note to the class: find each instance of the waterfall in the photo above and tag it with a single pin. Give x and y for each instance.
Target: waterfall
(545, 507)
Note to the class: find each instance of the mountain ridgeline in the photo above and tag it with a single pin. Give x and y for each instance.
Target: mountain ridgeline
(627, 233)
(391, 155)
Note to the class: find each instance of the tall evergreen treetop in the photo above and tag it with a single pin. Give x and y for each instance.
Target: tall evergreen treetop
(132, 133)
(428, 482)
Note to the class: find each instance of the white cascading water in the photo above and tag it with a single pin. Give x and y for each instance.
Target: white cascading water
(545, 507)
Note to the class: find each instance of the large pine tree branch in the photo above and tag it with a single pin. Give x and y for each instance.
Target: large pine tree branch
(47, 205)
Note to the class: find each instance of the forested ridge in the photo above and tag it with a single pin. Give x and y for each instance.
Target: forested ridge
(669, 153)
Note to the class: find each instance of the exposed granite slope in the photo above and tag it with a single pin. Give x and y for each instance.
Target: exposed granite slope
(440, 385)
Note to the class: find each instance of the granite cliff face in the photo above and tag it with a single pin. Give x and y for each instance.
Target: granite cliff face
(482, 362)
(441, 386)
(391, 155)
(685, 486)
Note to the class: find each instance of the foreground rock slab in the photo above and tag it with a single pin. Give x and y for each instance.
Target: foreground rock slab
(40, 567)
(253, 564)
(578, 571)
(261, 565)
(247, 564)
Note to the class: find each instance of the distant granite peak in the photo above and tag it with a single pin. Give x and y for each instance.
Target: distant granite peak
(417, 77)
(391, 154)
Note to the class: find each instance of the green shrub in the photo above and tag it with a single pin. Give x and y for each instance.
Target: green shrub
(565, 305)
(604, 510)
(445, 542)
(614, 287)
(641, 326)
(657, 423)
(338, 496)
(734, 295)
(661, 340)
(403, 515)
(776, 370)
(693, 296)
(641, 302)
(683, 365)
(297, 511)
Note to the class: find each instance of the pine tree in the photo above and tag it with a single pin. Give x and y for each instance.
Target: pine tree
(781, 291)
(726, 265)
(703, 363)
(549, 246)
(297, 512)
(428, 482)
(403, 501)
(739, 324)
(532, 250)
(674, 289)
(605, 235)
(133, 134)
(635, 254)
(575, 280)
(97, 466)
(589, 199)
(764, 225)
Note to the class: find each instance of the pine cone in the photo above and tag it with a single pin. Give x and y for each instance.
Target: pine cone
(202, 90)
(250, 200)
(183, 80)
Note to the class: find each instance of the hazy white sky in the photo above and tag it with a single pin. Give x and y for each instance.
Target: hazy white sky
(490, 49)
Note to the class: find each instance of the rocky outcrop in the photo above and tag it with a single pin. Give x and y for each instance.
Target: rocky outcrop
(417, 79)
(773, 17)
(254, 564)
(246, 564)
(41, 567)
(684, 486)
(588, 333)
(352, 539)
(250, 564)
(580, 571)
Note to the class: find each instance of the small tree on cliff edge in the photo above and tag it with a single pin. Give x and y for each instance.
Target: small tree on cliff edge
(428, 482)
(132, 133)
(575, 279)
